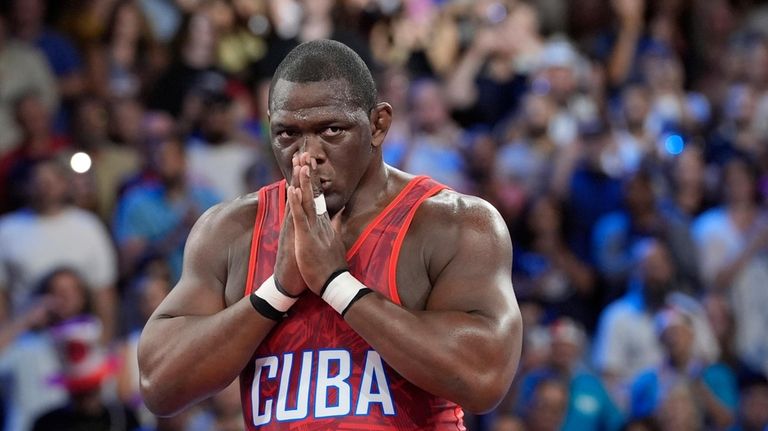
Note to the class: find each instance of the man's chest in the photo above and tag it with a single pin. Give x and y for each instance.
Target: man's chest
(406, 259)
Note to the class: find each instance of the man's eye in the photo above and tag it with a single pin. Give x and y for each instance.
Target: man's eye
(286, 134)
(333, 131)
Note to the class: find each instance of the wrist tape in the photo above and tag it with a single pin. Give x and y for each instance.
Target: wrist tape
(342, 290)
(269, 301)
(320, 207)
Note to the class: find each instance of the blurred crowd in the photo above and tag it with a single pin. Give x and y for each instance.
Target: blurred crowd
(625, 143)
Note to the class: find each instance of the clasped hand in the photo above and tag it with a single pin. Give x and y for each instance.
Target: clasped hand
(310, 243)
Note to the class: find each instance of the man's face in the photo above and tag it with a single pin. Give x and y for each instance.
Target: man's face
(322, 119)
(68, 296)
(48, 185)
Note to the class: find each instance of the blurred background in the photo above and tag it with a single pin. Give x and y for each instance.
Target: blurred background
(625, 142)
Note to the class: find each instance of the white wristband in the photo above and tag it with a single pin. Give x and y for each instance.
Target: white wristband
(268, 291)
(341, 291)
(320, 207)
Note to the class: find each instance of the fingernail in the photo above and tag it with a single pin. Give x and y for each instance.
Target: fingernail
(314, 163)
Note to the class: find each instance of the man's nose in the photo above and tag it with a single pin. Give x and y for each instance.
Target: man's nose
(314, 146)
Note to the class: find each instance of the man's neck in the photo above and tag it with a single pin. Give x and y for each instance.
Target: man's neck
(372, 189)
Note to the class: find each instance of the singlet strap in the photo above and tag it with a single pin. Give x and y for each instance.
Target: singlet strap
(265, 200)
(393, 258)
(392, 205)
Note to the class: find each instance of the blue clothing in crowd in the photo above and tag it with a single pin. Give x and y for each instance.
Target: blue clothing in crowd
(146, 213)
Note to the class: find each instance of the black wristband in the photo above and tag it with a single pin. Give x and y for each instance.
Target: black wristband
(266, 309)
(333, 275)
(281, 289)
(360, 293)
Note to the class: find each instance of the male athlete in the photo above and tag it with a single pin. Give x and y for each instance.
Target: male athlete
(350, 296)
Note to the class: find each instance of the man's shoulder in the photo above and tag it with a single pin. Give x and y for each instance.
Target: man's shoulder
(454, 210)
(228, 220)
(449, 222)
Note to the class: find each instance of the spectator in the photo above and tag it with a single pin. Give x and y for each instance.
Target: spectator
(153, 219)
(733, 241)
(616, 234)
(218, 156)
(125, 122)
(149, 290)
(27, 353)
(529, 153)
(672, 107)
(547, 270)
(713, 384)
(635, 141)
(507, 423)
(394, 87)
(127, 59)
(49, 233)
(626, 341)
(38, 140)
(558, 75)
(225, 412)
(581, 180)
(490, 76)
(24, 70)
(438, 144)
(753, 408)
(194, 57)
(688, 194)
(546, 408)
(28, 19)
(678, 411)
(589, 405)
(85, 367)
(111, 163)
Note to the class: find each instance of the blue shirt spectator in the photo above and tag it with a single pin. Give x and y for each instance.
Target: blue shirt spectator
(147, 212)
(154, 218)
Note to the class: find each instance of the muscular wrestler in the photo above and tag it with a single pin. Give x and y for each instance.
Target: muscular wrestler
(350, 296)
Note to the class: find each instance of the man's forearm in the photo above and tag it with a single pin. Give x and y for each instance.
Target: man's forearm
(464, 357)
(184, 359)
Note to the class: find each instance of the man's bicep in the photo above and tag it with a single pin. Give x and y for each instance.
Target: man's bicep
(200, 290)
(478, 277)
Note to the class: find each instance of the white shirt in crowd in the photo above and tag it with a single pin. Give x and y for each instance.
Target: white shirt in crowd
(31, 246)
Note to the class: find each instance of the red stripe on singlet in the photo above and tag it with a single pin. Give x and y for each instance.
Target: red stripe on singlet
(372, 225)
(399, 242)
(260, 210)
(281, 201)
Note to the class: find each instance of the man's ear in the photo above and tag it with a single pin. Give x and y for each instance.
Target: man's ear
(381, 119)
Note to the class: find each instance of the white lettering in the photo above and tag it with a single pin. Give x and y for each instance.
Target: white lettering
(374, 371)
(271, 363)
(331, 370)
(302, 394)
(324, 381)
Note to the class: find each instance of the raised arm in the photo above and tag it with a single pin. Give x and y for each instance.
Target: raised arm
(194, 345)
